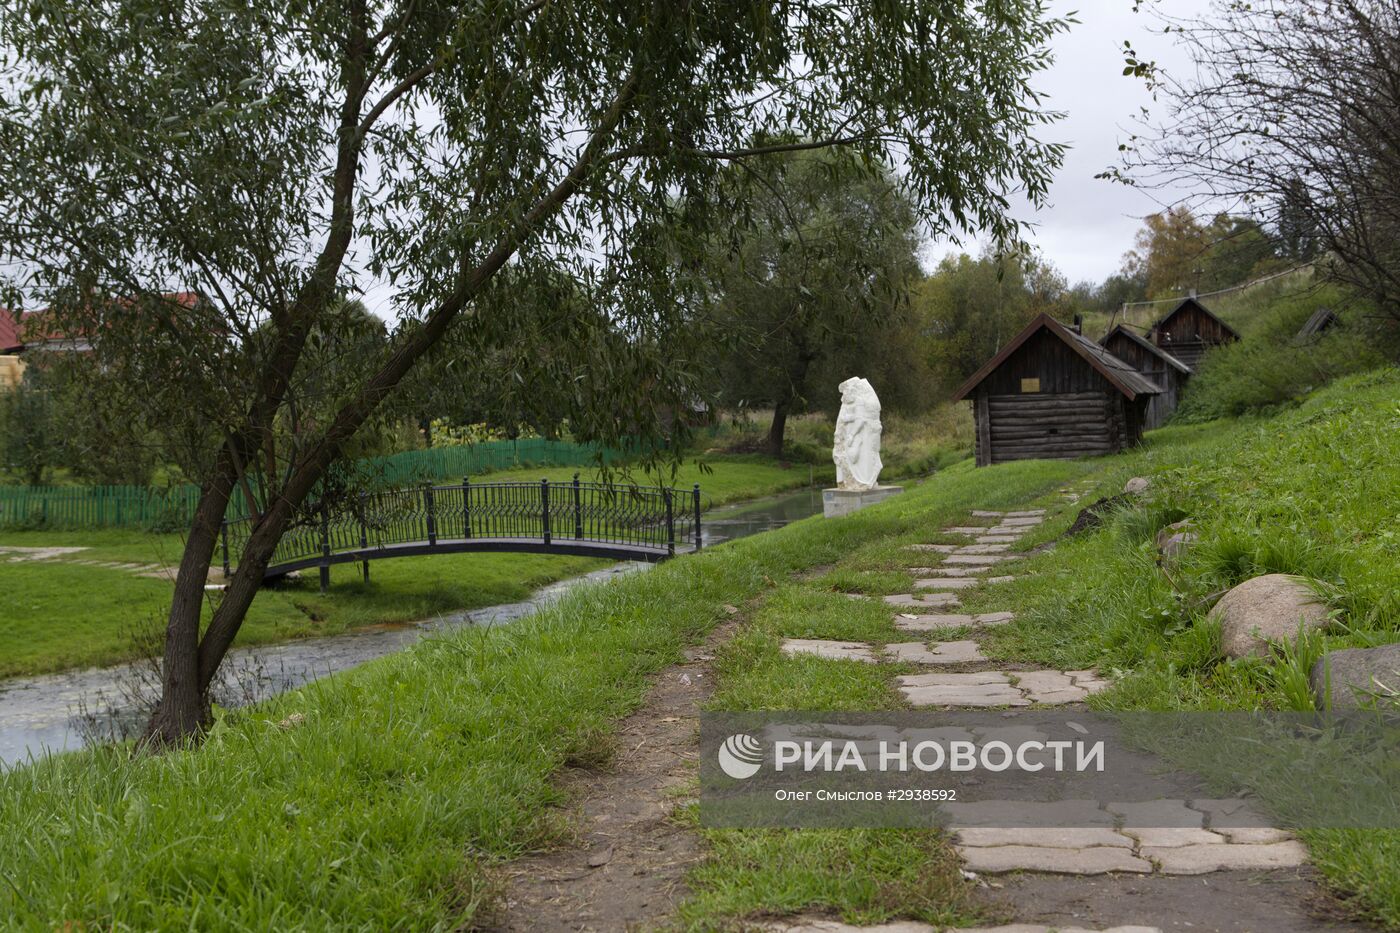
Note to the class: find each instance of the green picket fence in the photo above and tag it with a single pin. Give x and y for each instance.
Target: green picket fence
(143, 507)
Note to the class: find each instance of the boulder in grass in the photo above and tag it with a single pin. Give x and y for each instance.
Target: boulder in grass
(1357, 677)
(1175, 538)
(1265, 610)
(1137, 486)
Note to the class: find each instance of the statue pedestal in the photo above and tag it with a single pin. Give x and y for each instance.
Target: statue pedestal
(838, 502)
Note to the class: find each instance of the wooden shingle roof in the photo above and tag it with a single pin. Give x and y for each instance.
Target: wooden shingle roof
(1119, 374)
(1149, 346)
(1192, 302)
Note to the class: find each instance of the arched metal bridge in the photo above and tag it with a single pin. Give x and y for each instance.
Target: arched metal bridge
(617, 522)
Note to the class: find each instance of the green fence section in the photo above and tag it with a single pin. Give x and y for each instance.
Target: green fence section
(79, 507)
(143, 507)
(453, 463)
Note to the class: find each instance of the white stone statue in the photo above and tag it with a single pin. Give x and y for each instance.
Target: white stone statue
(856, 448)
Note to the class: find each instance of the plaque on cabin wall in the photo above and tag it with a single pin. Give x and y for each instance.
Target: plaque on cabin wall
(1030, 385)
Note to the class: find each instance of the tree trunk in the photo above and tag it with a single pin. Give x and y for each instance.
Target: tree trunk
(183, 710)
(191, 662)
(777, 429)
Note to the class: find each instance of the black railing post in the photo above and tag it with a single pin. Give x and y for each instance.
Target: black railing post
(696, 495)
(544, 507)
(364, 539)
(578, 510)
(466, 507)
(223, 535)
(430, 506)
(325, 549)
(670, 521)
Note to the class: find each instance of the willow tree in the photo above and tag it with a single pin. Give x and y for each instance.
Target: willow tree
(273, 156)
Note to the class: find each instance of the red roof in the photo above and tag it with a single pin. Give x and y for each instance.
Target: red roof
(9, 332)
(14, 335)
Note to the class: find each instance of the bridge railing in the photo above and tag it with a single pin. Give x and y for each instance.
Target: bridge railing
(647, 519)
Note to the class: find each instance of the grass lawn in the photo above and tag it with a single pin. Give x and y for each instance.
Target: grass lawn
(410, 780)
(59, 615)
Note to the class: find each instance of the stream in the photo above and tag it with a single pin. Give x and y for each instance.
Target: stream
(54, 712)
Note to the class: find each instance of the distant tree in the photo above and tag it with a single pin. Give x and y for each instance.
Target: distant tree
(1238, 249)
(31, 441)
(251, 151)
(1297, 227)
(970, 308)
(1169, 253)
(815, 282)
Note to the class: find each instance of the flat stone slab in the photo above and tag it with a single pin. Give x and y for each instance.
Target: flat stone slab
(922, 600)
(15, 554)
(936, 548)
(971, 678)
(968, 696)
(1050, 837)
(983, 549)
(980, 560)
(934, 622)
(966, 530)
(1001, 579)
(832, 650)
(942, 571)
(1078, 811)
(997, 539)
(1238, 822)
(944, 652)
(946, 583)
(1021, 520)
(1201, 859)
(1026, 513)
(986, 513)
(823, 925)
(1047, 688)
(1093, 860)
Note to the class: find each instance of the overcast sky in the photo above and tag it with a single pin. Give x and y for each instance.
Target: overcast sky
(1089, 224)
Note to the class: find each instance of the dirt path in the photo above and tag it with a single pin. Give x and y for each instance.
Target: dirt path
(627, 867)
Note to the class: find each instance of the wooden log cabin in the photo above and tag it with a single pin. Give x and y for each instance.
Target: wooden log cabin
(1189, 330)
(1166, 371)
(1053, 393)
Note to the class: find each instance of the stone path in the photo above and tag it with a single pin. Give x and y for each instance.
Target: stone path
(1151, 839)
(1000, 688)
(14, 555)
(905, 926)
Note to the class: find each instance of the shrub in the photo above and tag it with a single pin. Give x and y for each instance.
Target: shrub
(1270, 367)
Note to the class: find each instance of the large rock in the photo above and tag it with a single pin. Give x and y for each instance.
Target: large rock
(1353, 677)
(1264, 610)
(1175, 538)
(1137, 486)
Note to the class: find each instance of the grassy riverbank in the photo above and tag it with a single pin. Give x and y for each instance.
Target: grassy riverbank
(63, 614)
(391, 795)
